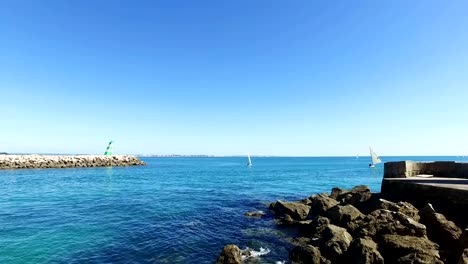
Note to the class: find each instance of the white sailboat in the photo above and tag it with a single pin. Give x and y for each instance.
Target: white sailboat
(374, 158)
(249, 163)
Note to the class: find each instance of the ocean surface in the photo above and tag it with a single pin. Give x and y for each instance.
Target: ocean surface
(174, 210)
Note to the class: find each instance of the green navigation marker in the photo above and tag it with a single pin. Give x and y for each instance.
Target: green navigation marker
(109, 149)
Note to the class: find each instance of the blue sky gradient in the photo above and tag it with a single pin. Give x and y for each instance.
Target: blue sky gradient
(234, 77)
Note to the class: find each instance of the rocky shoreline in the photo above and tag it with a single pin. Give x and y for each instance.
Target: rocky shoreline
(66, 161)
(358, 226)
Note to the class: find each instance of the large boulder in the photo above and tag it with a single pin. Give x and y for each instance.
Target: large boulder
(383, 221)
(363, 251)
(231, 254)
(393, 247)
(335, 242)
(315, 228)
(439, 229)
(320, 204)
(305, 254)
(342, 215)
(297, 210)
(419, 258)
(354, 196)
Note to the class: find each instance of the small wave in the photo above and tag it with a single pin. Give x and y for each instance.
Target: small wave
(280, 262)
(250, 253)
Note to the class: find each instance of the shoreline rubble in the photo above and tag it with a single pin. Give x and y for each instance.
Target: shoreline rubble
(66, 161)
(358, 226)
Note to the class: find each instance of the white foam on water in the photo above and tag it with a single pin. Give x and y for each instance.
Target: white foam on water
(250, 253)
(280, 262)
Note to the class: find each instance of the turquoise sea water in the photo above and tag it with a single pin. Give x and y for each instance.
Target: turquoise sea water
(174, 210)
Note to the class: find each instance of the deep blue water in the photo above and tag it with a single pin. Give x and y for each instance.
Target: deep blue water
(174, 210)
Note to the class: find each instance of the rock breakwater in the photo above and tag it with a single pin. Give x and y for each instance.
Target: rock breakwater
(66, 161)
(358, 226)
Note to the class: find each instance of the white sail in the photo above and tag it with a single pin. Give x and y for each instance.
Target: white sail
(250, 161)
(374, 158)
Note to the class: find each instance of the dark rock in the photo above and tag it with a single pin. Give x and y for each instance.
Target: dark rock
(383, 221)
(356, 195)
(440, 230)
(343, 215)
(393, 247)
(320, 204)
(464, 239)
(315, 228)
(335, 192)
(300, 241)
(464, 257)
(297, 211)
(305, 254)
(419, 258)
(363, 251)
(231, 254)
(255, 214)
(335, 241)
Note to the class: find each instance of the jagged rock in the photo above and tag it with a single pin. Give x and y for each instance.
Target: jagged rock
(320, 204)
(409, 210)
(383, 221)
(419, 258)
(305, 254)
(393, 247)
(440, 230)
(335, 241)
(343, 215)
(356, 195)
(299, 241)
(255, 214)
(231, 254)
(363, 251)
(335, 192)
(464, 257)
(297, 211)
(402, 207)
(315, 228)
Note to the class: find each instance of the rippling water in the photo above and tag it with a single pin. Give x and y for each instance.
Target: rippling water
(174, 210)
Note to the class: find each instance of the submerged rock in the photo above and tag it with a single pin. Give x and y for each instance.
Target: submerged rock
(363, 251)
(231, 254)
(255, 214)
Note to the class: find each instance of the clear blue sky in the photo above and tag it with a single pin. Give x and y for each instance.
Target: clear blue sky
(234, 77)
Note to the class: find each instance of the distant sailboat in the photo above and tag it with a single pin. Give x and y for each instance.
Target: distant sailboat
(249, 163)
(374, 158)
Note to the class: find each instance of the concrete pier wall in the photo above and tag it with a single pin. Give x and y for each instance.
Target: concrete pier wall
(66, 161)
(445, 169)
(444, 184)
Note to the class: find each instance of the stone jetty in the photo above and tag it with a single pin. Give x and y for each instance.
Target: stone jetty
(358, 226)
(66, 161)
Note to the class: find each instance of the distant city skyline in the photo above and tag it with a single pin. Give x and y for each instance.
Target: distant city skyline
(302, 78)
